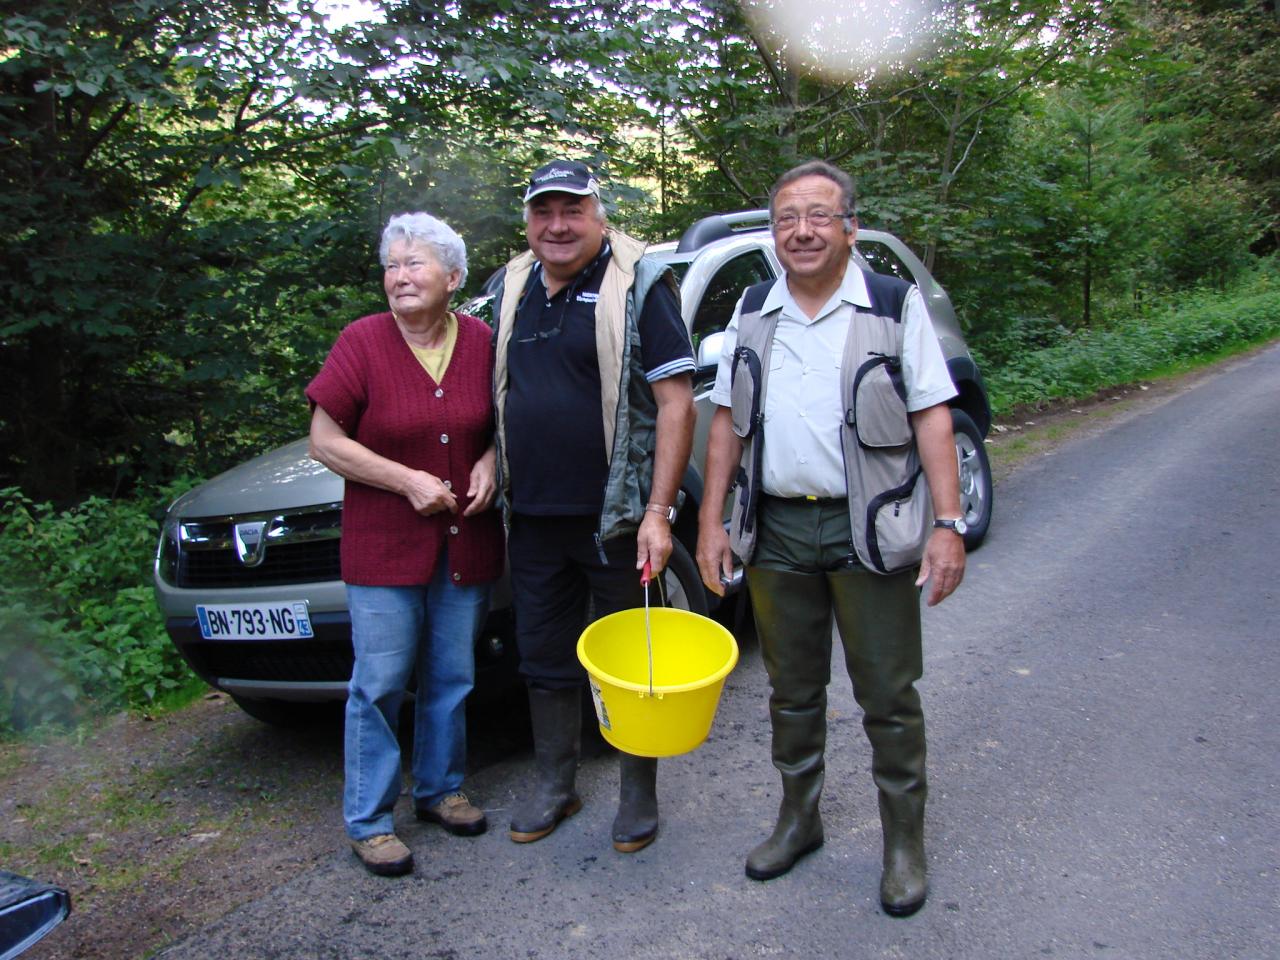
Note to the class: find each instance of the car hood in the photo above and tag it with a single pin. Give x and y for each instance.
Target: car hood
(281, 479)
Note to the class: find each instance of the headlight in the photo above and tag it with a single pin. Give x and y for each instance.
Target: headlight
(167, 551)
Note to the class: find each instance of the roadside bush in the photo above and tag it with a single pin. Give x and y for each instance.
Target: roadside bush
(79, 630)
(1200, 325)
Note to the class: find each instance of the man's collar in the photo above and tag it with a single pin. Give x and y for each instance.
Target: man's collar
(852, 289)
(581, 277)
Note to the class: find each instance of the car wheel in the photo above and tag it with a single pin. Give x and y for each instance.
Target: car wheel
(289, 713)
(976, 488)
(681, 582)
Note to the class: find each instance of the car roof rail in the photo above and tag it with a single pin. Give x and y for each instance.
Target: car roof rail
(721, 225)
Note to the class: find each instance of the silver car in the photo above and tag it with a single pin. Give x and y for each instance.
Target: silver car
(247, 572)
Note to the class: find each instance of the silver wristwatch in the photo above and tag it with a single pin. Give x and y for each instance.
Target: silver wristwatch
(669, 513)
(958, 525)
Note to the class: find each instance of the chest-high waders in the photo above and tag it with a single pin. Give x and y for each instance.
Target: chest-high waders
(874, 603)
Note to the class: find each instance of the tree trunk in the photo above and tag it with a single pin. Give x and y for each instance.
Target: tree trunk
(46, 427)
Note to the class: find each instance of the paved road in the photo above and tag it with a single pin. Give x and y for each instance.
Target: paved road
(1102, 701)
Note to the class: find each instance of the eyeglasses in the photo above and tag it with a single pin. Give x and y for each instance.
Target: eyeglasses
(542, 334)
(818, 218)
(547, 334)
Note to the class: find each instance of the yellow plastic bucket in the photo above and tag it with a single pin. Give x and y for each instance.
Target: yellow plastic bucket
(691, 657)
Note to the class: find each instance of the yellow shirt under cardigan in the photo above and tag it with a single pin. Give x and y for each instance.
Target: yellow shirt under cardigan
(435, 360)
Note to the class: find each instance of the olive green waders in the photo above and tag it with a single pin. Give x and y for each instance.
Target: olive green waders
(879, 622)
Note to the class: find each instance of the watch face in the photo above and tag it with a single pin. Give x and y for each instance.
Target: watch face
(961, 527)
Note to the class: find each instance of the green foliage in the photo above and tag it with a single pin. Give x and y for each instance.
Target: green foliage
(1196, 326)
(193, 194)
(79, 629)
(1224, 87)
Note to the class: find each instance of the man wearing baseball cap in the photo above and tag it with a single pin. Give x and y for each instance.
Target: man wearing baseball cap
(595, 422)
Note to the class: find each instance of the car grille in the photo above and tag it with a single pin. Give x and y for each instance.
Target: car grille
(298, 547)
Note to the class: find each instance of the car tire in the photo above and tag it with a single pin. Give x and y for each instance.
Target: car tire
(289, 713)
(976, 486)
(681, 583)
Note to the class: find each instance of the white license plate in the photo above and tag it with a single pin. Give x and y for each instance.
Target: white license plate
(287, 620)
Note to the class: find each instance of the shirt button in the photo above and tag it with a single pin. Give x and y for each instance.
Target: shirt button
(444, 438)
(448, 484)
(439, 392)
(457, 576)
(803, 413)
(453, 529)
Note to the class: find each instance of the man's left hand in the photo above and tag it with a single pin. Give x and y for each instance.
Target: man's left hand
(483, 483)
(943, 564)
(653, 543)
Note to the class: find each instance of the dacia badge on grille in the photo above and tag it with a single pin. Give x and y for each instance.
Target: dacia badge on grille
(251, 542)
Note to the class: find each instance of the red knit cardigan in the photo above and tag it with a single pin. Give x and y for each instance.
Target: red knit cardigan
(373, 386)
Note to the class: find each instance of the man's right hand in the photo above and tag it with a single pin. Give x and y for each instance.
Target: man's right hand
(715, 559)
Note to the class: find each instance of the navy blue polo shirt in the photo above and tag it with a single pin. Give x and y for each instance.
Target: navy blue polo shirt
(555, 431)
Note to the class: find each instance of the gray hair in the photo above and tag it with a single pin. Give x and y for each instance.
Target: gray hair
(423, 228)
(601, 212)
(820, 168)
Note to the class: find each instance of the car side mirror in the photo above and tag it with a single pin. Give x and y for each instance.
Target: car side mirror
(709, 351)
(28, 910)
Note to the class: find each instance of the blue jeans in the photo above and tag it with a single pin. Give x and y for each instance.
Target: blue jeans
(394, 630)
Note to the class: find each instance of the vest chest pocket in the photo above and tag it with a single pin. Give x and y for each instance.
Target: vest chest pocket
(745, 377)
(877, 410)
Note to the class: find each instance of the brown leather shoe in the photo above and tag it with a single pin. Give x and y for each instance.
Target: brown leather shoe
(384, 855)
(456, 814)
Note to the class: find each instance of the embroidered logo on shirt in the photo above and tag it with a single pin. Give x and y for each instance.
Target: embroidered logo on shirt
(588, 297)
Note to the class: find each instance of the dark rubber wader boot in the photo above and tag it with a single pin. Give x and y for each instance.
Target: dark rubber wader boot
(636, 824)
(557, 742)
(793, 621)
(879, 621)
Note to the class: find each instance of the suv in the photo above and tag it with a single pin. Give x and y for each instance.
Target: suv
(247, 572)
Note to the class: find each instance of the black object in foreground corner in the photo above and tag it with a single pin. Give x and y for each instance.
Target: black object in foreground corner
(28, 910)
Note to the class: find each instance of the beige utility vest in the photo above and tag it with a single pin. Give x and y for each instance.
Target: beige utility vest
(890, 509)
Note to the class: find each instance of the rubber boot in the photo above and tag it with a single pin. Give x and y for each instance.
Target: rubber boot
(793, 622)
(636, 824)
(879, 620)
(557, 743)
(904, 883)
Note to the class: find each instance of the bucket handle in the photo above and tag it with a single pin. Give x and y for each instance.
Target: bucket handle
(645, 576)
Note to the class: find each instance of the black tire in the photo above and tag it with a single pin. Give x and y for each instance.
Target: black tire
(976, 486)
(290, 713)
(681, 582)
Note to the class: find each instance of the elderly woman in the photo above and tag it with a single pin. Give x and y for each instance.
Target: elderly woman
(403, 409)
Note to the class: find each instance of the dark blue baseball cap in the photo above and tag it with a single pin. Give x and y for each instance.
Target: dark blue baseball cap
(562, 176)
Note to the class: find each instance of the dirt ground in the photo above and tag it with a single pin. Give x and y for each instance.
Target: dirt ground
(159, 825)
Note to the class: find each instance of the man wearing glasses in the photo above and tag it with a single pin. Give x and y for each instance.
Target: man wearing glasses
(832, 393)
(595, 422)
